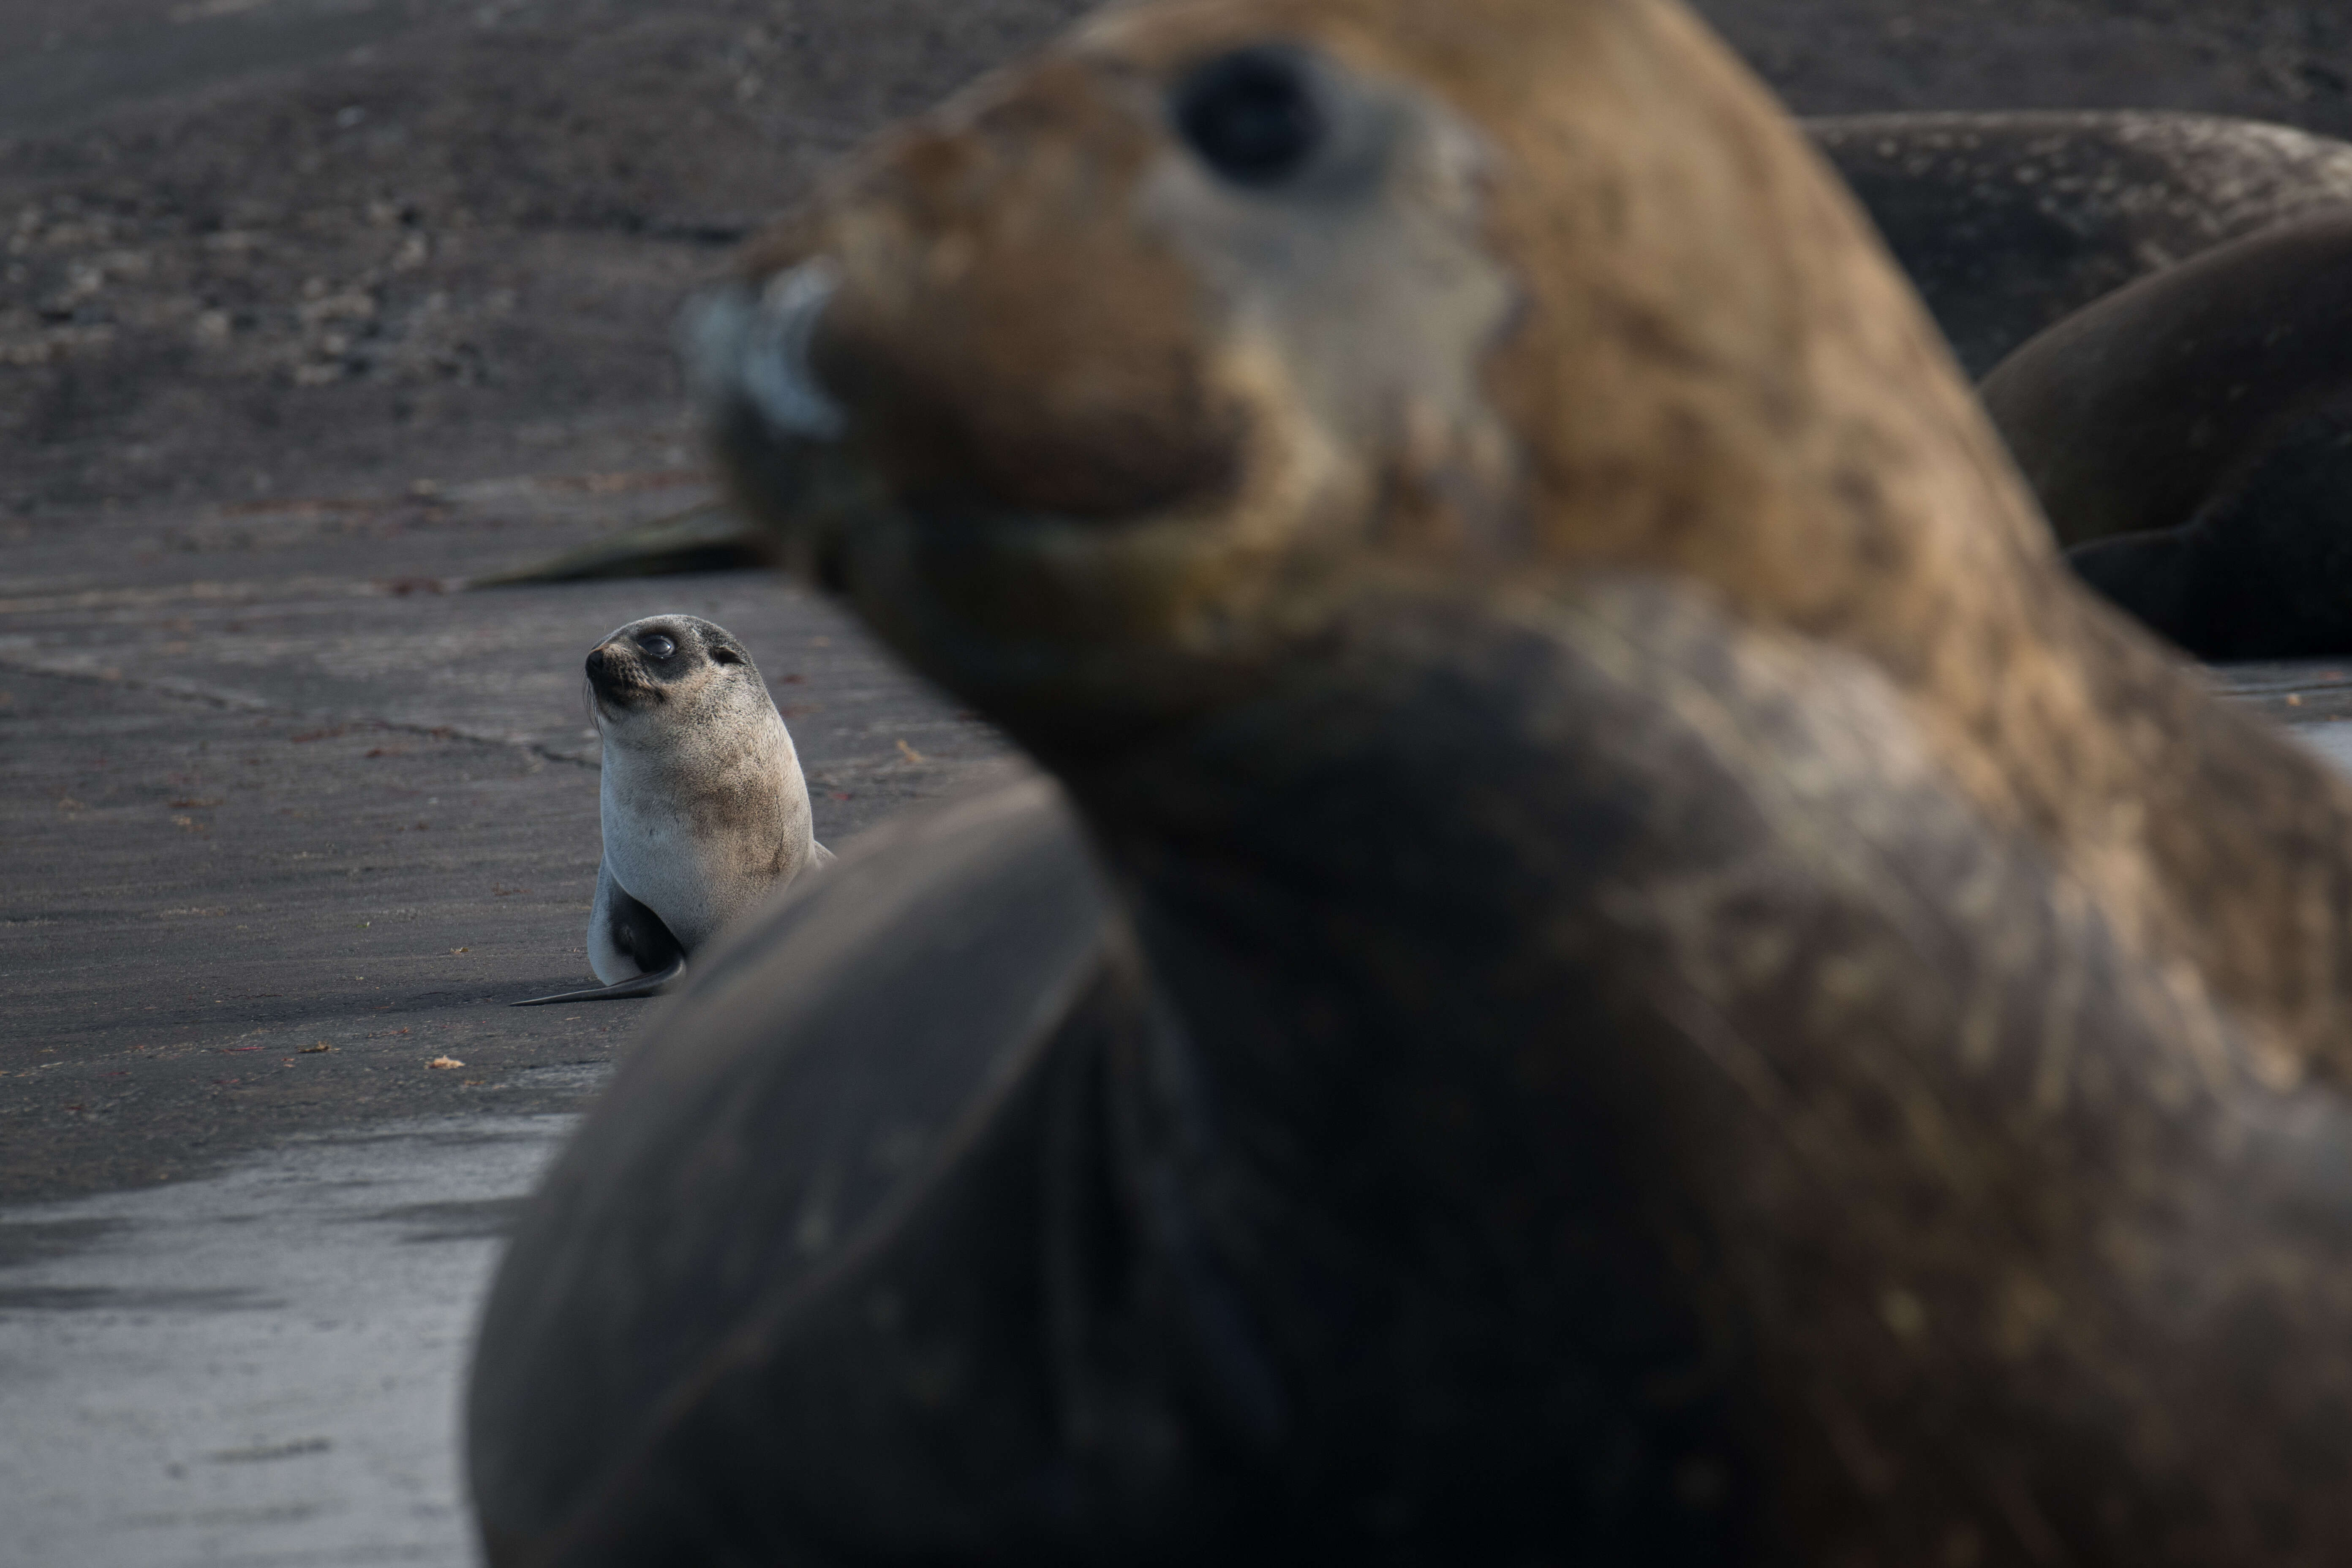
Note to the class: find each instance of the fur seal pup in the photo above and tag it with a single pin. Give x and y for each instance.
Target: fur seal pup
(2008, 222)
(1622, 969)
(2190, 440)
(704, 810)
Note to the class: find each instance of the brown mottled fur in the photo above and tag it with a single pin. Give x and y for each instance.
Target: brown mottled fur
(1626, 806)
(1717, 373)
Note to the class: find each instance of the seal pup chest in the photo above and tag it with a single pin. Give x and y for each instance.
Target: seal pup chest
(694, 832)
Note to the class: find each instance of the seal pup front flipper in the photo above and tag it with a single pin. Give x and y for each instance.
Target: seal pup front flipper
(652, 985)
(625, 935)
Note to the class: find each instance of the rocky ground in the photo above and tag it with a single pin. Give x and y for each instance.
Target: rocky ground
(260, 248)
(264, 247)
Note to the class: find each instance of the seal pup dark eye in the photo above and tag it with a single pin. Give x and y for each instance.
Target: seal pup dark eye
(1251, 115)
(656, 646)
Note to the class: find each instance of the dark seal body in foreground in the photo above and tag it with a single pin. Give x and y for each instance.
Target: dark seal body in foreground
(1625, 969)
(2190, 440)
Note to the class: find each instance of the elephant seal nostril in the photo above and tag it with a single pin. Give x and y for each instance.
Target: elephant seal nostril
(739, 344)
(776, 369)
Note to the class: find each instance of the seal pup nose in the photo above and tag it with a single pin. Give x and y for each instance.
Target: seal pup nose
(752, 344)
(595, 663)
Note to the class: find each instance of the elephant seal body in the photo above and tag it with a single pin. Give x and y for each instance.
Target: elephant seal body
(2190, 440)
(704, 810)
(1623, 969)
(2007, 223)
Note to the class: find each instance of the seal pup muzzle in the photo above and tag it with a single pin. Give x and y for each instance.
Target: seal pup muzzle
(704, 809)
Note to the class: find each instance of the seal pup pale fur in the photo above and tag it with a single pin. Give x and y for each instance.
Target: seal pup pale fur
(1625, 968)
(2190, 440)
(704, 810)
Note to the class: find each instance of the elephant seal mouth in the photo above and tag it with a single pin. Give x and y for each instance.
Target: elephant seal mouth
(748, 345)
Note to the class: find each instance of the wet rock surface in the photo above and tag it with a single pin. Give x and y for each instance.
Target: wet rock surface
(259, 1367)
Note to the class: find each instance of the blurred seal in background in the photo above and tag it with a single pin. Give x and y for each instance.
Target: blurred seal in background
(2007, 223)
(2190, 440)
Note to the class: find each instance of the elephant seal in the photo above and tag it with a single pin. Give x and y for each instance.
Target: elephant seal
(2190, 440)
(704, 810)
(1619, 967)
(2008, 222)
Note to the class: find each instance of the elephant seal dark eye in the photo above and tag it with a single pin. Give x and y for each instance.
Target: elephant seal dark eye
(1251, 115)
(656, 646)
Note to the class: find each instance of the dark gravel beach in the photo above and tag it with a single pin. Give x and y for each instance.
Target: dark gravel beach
(263, 248)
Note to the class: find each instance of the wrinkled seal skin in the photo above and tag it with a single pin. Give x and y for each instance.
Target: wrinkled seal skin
(2190, 438)
(1630, 972)
(2007, 223)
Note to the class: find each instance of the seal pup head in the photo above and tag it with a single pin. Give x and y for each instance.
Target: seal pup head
(663, 669)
